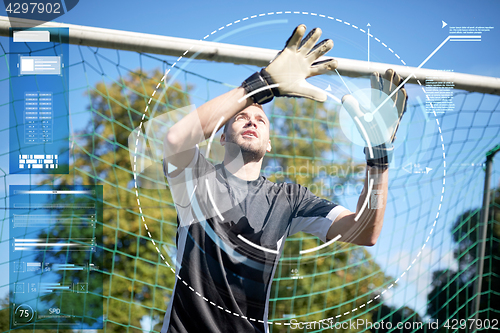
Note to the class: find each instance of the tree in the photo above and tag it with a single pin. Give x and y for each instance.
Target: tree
(5, 318)
(453, 293)
(409, 320)
(320, 285)
(137, 283)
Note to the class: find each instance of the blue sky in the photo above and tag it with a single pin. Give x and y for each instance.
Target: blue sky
(412, 29)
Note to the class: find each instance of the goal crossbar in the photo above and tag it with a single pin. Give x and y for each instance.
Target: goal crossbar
(237, 54)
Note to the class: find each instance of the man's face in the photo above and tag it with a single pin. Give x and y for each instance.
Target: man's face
(249, 130)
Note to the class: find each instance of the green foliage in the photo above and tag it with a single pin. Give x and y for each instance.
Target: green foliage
(306, 145)
(453, 295)
(327, 283)
(136, 282)
(390, 317)
(5, 319)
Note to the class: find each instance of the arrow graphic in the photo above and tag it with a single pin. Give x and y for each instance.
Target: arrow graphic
(408, 167)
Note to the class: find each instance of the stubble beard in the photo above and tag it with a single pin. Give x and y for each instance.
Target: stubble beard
(249, 152)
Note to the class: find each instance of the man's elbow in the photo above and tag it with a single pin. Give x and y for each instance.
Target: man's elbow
(370, 235)
(361, 240)
(369, 240)
(172, 143)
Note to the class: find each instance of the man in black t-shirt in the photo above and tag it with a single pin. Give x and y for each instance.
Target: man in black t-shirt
(233, 222)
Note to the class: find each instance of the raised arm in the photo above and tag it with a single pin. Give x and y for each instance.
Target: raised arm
(378, 128)
(180, 140)
(284, 76)
(363, 227)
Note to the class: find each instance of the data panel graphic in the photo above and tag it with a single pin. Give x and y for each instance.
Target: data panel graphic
(55, 257)
(39, 103)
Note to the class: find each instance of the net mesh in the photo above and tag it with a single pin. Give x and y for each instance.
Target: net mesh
(422, 269)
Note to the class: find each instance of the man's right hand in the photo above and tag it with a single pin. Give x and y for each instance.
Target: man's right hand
(378, 123)
(286, 75)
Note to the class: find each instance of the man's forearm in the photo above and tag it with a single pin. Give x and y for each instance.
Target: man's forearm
(365, 229)
(371, 218)
(225, 106)
(199, 124)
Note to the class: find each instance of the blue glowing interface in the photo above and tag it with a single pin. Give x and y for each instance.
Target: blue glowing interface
(39, 110)
(56, 257)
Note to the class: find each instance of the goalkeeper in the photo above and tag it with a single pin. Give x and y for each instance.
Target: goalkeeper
(232, 221)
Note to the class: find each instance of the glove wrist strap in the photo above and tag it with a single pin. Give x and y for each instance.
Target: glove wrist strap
(382, 155)
(269, 80)
(259, 81)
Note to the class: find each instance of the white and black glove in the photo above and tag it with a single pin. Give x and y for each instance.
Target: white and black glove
(286, 75)
(379, 122)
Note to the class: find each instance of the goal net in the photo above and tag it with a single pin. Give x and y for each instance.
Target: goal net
(424, 266)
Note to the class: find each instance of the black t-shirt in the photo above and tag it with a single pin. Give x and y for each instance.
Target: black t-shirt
(229, 238)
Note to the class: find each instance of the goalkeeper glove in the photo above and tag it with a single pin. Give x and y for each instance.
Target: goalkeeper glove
(286, 75)
(379, 124)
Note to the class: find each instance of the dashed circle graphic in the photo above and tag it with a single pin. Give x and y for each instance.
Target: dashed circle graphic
(163, 80)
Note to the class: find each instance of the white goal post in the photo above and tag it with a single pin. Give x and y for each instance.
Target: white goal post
(237, 54)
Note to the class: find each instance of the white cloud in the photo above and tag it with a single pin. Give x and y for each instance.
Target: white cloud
(414, 286)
